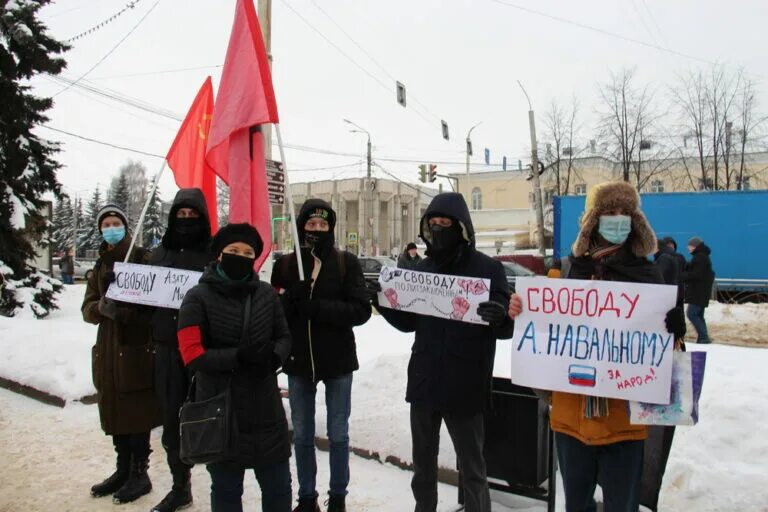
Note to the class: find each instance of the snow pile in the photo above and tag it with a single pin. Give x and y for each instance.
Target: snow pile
(745, 324)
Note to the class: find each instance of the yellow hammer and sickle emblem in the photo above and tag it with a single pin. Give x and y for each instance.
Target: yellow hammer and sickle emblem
(201, 129)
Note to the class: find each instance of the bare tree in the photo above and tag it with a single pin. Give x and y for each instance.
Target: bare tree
(222, 201)
(626, 116)
(561, 126)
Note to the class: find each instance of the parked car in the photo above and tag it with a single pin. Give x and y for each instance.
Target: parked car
(371, 265)
(513, 271)
(83, 268)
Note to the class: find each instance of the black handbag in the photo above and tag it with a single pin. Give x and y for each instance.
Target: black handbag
(207, 428)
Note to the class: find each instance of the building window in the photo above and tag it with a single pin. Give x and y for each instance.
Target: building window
(657, 187)
(477, 199)
(743, 183)
(580, 189)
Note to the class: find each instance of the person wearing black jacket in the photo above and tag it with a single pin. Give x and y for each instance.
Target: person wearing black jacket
(410, 258)
(450, 371)
(321, 310)
(226, 348)
(699, 278)
(184, 246)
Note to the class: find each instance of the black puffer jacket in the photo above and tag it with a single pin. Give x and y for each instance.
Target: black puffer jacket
(699, 277)
(172, 253)
(667, 263)
(322, 340)
(452, 362)
(405, 261)
(216, 307)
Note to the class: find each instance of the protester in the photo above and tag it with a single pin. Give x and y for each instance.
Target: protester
(223, 352)
(596, 444)
(699, 278)
(122, 364)
(450, 371)
(184, 246)
(321, 310)
(410, 258)
(67, 266)
(681, 262)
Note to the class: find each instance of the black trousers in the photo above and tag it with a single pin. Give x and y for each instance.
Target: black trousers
(136, 445)
(655, 457)
(171, 386)
(616, 467)
(468, 436)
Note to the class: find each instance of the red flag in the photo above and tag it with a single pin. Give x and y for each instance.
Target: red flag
(187, 154)
(245, 99)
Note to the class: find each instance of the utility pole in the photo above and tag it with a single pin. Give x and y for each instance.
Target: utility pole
(538, 206)
(469, 153)
(366, 236)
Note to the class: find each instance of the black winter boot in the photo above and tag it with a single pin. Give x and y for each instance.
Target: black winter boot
(118, 478)
(308, 505)
(138, 483)
(180, 496)
(336, 503)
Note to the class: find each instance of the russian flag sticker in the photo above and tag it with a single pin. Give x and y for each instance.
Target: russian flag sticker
(580, 375)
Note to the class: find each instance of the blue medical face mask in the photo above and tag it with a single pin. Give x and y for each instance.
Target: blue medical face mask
(615, 228)
(113, 236)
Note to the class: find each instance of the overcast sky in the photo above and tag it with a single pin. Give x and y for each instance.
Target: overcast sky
(460, 61)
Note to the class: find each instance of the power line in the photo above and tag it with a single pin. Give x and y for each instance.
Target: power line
(103, 143)
(94, 28)
(159, 72)
(655, 24)
(115, 47)
(413, 187)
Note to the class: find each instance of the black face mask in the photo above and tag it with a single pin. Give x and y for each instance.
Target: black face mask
(189, 230)
(445, 239)
(236, 267)
(317, 239)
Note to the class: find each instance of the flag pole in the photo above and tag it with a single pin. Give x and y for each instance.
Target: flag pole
(144, 210)
(289, 197)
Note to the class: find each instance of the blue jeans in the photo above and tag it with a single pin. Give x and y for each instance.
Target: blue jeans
(616, 467)
(227, 487)
(67, 279)
(696, 316)
(338, 400)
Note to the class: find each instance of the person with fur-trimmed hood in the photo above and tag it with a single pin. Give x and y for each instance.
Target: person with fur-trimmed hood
(596, 444)
(450, 371)
(184, 246)
(321, 310)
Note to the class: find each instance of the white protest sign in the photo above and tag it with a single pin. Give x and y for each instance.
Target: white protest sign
(443, 296)
(598, 338)
(152, 286)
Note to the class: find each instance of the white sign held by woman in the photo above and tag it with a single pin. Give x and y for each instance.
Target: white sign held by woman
(162, 287)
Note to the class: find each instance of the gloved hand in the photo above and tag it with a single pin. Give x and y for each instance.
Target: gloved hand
(372, 289)
(252, 355)
(109, 278)
(675, 322)
(268, 366)
(298, 296)
(107, 308)
(492, 312)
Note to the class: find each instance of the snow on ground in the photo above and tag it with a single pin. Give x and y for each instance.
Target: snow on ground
(719, 465)
(745, 324)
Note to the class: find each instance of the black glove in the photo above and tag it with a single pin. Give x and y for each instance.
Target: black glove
(108, 308)
(675, 322)
(372, 289)
(109, 278)
(252, 355)
(493, 313)
(298, 296)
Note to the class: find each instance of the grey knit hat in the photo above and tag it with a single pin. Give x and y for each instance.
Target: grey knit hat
(695, 241)
(111, 210)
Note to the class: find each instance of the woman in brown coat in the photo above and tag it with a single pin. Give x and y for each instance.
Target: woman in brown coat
(122, 365)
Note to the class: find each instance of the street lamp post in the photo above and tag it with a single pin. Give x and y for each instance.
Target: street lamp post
(367, 192)
(469, 152)
(538, 206)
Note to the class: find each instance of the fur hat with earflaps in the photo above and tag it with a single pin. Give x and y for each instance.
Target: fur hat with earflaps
(609, 197)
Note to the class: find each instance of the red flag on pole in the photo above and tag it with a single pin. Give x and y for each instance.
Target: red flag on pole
(244, 101)
(187, 154)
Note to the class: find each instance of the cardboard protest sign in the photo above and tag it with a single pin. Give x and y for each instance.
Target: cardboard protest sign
(152, 286)
(443, 296)
(598, 338)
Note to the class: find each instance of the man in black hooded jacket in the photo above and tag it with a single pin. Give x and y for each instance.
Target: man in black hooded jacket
(450, 371)
(321, 311)
(184, 246)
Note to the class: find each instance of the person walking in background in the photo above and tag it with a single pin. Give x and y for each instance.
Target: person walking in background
(184, 246)
(679, 258)
(698, 277)
(596, 444)
(321, 310)
(410, 258)
(121, 364)
(232, 333)
(67, 265)
(450, 371)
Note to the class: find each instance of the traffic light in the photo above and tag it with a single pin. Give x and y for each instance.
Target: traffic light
(423, 173)
(432, 172)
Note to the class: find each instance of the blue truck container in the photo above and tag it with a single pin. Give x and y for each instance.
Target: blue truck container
(733, 224)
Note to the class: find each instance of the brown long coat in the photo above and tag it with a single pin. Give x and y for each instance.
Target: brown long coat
(122, 358)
